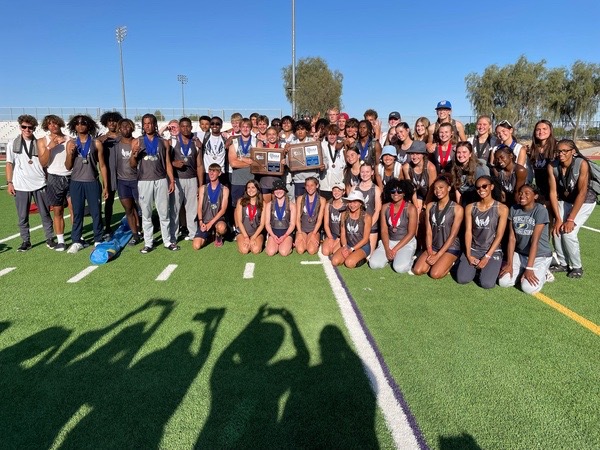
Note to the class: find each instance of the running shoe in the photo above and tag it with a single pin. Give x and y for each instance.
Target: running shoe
(576, 273)
(146, 250)
(218, 240)
(26, 245)
(51, 244)
(60, 247)
(173, 247)
(557, 268)
(74, 248)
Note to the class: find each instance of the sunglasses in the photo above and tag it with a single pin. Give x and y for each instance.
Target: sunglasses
(565, 151)
(482, 186)
(81, 122)
(27, 127)
(505, 123)
(396, 191)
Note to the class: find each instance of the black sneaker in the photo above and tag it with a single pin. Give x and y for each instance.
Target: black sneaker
(557, 268)
(26, 245)
(134, 241)
(146, 250)
(576, 273)
(60, 247)
(51, 244)
(173, 247)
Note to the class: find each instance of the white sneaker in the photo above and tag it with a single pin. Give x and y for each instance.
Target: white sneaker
(549, 277)
(74, 248)
(189, 238)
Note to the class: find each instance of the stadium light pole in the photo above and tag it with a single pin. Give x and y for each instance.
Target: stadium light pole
(183, 80)
(294, 59)
(121, 33)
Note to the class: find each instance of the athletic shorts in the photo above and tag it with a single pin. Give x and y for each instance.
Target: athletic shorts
(452, 251)
(57, 189)
(128, 189)
(279, 233)
(206, 234)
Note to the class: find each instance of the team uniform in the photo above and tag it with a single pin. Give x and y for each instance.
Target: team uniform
(186, 186)
(484, 226)
(280, 217)
(59, 178)
(397, 230)
(335, 219)
(355, 231)
(211, 204)
(441, 228)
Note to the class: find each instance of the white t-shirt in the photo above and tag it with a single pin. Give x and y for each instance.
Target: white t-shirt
(58, 157)
(26, 177)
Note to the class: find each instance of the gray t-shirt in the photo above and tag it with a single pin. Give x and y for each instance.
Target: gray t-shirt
(524, 222)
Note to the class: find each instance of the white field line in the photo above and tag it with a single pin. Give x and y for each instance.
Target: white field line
(14, 236)
(81, 275)
(7, 270)
(308, 263)
(165, 274)
(395, 417)
(590, 228)
(249, 271)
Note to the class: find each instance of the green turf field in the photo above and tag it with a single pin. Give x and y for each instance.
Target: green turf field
(121, 360)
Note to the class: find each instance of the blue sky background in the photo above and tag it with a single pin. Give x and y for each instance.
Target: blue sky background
(394, 55)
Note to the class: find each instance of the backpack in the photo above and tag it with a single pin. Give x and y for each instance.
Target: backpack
(593, 174)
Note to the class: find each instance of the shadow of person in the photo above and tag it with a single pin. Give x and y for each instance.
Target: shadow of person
(25, 378)
(333, 406)
(460, 442)
(132, 407)
(4, 326)
(48, 393)
(247, 384)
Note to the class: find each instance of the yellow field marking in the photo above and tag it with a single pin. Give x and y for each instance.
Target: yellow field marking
(570, 314)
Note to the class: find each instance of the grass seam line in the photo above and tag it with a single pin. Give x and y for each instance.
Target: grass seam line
(400, 421)
(249, 271)
(7, 270)
(570, 314)
(81, 275)
(166, 273)
(590, 228)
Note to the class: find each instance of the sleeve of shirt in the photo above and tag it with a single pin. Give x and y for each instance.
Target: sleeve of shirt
(541, 215)
(10, 156)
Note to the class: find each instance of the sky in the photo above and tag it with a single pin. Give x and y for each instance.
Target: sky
(394, 55)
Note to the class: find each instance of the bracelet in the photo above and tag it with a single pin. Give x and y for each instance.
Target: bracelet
(351, 249)
(486, 256)
(9, 182)
(529, 268)
(571, 220)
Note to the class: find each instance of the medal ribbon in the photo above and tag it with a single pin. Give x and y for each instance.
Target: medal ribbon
(394, 218)
(246, 147)
(310, 209)
(85, 150)
(251, 212)
(213, 196)
(151, 146)
(363, 151)
(443, 157)
(279, 210)
(29, 152)
(185, 149)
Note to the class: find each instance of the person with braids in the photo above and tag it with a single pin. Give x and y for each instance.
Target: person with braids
(510, 175)
(110, 120)
(85, 158)
(444, 220)
(250, 220)
(398, 220)
(466, 169)
(369, 148)
(572, 201)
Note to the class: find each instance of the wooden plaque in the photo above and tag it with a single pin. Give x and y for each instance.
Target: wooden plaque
(267, 161)
(305, 156)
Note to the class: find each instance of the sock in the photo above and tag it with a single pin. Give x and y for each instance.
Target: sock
(60, 238)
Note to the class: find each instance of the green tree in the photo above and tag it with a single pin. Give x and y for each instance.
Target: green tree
(513, 92)
(159, 116)
(573, 95)
(470, 129)
(317, 87)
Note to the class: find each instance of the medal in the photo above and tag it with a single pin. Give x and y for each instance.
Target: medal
(30, 162)
(151, 147)
(213, 195)
(394, 218)
(85, 149)
(251, 212)
(394, 230)
(186, 159)
(310, 208)
(333, 165)
(185, 149)
(245, 148)
(85, 161)
(146, 158)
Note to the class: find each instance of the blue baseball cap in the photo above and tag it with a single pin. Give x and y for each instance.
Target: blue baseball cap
(444, 104)
(389, 150)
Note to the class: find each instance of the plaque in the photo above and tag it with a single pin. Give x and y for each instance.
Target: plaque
(267, 161)
(305, 156)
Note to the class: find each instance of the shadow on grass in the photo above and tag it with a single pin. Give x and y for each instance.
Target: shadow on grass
(463, 442)
(259, 401)
(4, 326)
(90, 396)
